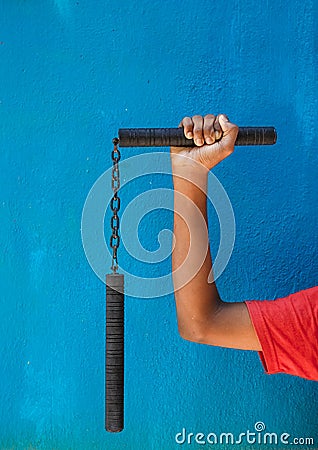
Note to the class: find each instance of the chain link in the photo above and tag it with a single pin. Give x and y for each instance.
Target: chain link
(115, 206)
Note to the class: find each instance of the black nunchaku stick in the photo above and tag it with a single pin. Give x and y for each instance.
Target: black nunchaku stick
(142, 137)
(166, 137)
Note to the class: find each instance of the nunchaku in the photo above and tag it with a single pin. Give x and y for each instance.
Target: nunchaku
(114, 360)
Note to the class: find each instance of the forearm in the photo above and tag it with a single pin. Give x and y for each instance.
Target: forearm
(196, 295)
(202, 316)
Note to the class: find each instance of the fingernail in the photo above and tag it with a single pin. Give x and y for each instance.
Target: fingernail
(199, 142)
(208, 141)
(189, 135)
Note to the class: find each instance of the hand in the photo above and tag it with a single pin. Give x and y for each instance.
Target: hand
(214, 137)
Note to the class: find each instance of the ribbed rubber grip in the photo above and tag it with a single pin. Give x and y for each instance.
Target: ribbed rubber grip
(166, 137)
(114, 370)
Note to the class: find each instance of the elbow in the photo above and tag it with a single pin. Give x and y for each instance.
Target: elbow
(195, 334)
(207, 330)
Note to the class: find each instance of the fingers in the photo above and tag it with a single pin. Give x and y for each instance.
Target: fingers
(198, 130)
(209, 129)
(193, 129)
(203, 130)
(187, 127)
(218, 129)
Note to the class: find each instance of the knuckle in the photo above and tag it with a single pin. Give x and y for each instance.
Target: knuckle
(209, 134)
(217, 123)
(197, 129)
(218, 134)
(186, 121)
(209, 130)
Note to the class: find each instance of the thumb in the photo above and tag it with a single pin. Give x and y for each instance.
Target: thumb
(230, 130)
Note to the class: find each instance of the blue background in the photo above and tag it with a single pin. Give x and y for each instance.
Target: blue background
(72, 73)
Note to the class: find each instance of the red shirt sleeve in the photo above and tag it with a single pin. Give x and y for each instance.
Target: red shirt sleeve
(287, 329)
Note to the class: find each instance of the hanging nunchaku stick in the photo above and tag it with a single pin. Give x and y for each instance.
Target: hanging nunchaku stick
(140, 137)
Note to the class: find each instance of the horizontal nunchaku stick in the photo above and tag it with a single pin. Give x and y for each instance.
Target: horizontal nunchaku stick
(174, 137)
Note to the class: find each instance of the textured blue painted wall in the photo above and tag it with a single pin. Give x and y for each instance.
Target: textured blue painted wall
(72, 73)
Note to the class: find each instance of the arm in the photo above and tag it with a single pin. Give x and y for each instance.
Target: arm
(202, 316)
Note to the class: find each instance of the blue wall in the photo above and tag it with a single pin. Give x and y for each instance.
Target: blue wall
(72, 73)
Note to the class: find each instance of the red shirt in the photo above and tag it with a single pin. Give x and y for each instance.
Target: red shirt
(287, 329)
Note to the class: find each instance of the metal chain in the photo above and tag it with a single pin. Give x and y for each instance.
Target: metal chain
(115, 206)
